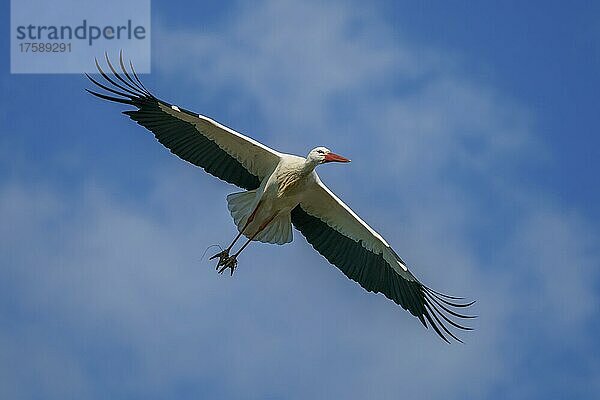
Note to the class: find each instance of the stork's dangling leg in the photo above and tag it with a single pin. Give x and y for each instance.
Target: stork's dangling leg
(231, 261)
(224, 255)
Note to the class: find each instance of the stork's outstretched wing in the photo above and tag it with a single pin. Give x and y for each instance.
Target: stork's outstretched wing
(347, 242)
(221, 151)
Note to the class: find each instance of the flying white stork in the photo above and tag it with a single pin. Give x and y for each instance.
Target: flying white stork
(282, 190)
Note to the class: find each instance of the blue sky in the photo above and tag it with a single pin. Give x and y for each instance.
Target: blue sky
(473, 134)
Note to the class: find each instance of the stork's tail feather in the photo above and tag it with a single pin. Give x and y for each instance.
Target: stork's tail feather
(279, 230)
(241, 205)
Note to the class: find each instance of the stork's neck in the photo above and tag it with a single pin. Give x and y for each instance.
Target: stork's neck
(309, 166)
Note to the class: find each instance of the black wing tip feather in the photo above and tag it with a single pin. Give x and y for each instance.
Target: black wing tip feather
(126, 84)
(443, 314)
(441, 310)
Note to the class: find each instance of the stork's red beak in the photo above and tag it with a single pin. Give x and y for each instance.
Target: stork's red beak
(332, 157)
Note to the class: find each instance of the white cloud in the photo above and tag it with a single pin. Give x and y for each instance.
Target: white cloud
(560, 251)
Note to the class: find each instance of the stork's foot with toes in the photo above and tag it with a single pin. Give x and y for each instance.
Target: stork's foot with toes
(223, 256)
(225, 261)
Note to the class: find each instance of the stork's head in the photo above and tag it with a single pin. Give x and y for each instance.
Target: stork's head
(321, 155)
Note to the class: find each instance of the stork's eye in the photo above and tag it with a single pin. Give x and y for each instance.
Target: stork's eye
(320, 151)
